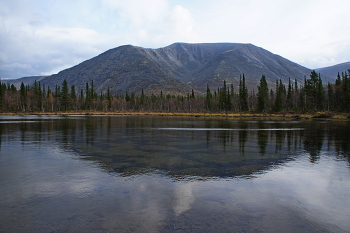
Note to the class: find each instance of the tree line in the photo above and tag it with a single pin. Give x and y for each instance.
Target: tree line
(310, 96)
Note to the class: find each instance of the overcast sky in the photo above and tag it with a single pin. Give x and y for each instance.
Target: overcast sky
(42, 37)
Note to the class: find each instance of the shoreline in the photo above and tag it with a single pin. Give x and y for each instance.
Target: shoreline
(319, 115)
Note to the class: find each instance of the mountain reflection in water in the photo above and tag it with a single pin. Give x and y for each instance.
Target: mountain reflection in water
(183, 148)
(173, 174)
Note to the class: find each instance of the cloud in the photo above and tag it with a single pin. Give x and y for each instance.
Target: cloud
(184, 197)
(41, 38)
(3, 58)
(182, 21)
(139, 12)
(12, 66)
(297, 30)
(44, 49)
(48, 35)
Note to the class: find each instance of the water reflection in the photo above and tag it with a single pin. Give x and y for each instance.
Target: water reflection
(262, 137)
(160, 174)
(182, 148)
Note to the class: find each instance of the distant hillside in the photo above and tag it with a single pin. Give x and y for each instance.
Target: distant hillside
(178, 68)
(27, 80)
(331, 72)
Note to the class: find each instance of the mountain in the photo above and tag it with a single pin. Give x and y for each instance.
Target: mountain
(27, 80)
(331, 72)
(178, 68)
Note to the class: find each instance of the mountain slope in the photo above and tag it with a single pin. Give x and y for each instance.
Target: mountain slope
(251, 61)
(331, 72)
(178, 68)
(123, 69)
(26, 80)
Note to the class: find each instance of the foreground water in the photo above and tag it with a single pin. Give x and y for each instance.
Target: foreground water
(161, 174)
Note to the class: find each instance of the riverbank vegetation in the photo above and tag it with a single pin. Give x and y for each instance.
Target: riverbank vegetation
(294, 98)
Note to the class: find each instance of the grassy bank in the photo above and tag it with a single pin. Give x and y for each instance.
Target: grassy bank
(320, 115)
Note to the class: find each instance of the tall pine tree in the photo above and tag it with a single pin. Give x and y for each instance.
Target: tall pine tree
(65, 96)
(263, 95)
(243, 94)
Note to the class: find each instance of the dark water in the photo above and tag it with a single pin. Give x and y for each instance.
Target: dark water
(160, 174)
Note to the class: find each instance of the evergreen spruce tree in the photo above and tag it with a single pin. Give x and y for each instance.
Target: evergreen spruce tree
(346, 92)
(208, 99)
(278, 105)
(222, 97)
(228, 101)
(263, 95)
(57, 91)
(243, 95)
(39, 96)
(314, 91)
(13, 88)
(88, 96)
(330, 98)
(338, 80)
(23, 96)
(142, 98)
(109, 98)
(65, 98)
(289, 103)
(73, 94)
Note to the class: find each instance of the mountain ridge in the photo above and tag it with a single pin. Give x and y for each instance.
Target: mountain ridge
(332, 71)
(178, 68)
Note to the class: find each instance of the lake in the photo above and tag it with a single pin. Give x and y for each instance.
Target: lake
(173, 174)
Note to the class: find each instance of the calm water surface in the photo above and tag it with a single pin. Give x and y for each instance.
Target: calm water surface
(163, 174)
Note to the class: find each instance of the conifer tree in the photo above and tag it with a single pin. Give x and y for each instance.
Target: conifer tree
(330, 98)
(228, 101)
(280, 93)
(57, 91)
(346, 92)
(73, 93)
(142, 98)
(88, 96)
(39, 96)
(65, 98)
(263, 95)
(208, 99)
(222, 97)
(243, 94)
(23, 96)
(289, 103)
(109, 98)
(13, 88)
(314, 91)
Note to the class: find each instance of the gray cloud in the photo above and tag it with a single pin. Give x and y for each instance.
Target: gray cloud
(44, 37)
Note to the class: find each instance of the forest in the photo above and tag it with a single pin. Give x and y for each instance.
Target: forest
(310, 96)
